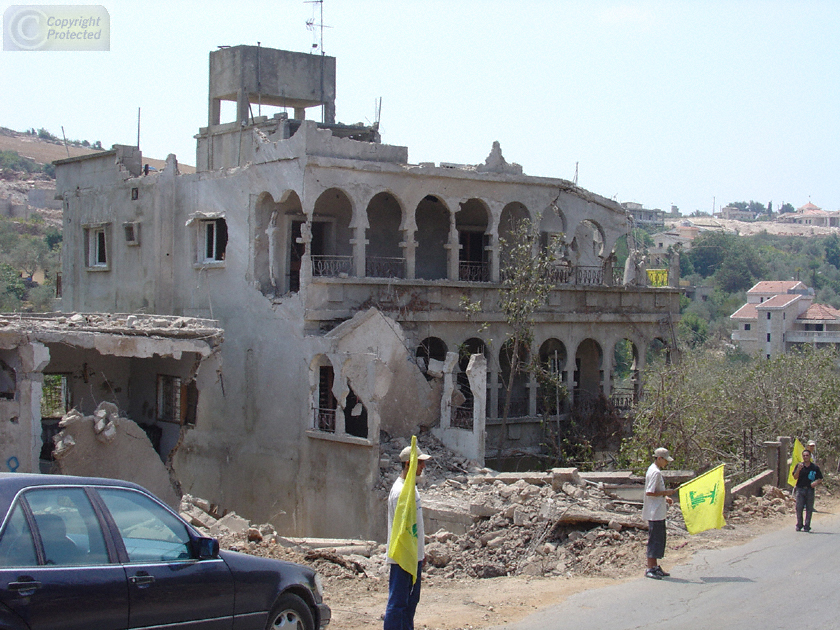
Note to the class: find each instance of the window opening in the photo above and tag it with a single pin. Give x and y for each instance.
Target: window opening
(55, 402)
(97, 247)
(355, 416)
(325, 413)
(215, 240)
(168, 398)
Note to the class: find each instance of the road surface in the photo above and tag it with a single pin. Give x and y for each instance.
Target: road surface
(782, 580)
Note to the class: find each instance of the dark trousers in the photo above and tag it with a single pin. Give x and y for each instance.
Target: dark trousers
(403, 597)
(804, 501)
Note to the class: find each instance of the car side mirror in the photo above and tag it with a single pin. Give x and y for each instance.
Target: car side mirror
(207, 548)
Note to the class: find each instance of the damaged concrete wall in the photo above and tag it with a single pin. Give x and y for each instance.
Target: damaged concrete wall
(20, 415)
(105, 444)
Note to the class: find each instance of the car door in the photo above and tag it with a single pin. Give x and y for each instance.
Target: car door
(168, 585)
(56, 571)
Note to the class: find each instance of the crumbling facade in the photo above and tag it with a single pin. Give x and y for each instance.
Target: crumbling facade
(151, 368)
(337, 270)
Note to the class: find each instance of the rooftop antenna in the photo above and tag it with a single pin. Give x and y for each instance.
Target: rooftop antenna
(259, 84)
(378, 115)
(576, 174)
(311, 24)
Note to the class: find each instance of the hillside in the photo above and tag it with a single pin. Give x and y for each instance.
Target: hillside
(46, 151)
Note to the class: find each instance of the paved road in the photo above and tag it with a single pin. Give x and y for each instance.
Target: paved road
(779, 581)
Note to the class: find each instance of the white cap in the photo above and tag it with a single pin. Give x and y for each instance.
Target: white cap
(664, 453)
(405, 455)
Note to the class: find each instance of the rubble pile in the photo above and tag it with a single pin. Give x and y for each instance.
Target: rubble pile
(536, 524)
(772, 502)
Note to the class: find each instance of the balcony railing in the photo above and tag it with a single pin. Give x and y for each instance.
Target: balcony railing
(623, 399)
(518, 406)
(462, 418)
(384, 267)
(589, 275)
(812, 336)
(332, 266)
(325, 420)
(469, 271)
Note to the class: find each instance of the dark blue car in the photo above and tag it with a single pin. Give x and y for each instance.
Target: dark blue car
(81, 553)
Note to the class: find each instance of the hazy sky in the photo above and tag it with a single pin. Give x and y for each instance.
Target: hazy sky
(661, 103)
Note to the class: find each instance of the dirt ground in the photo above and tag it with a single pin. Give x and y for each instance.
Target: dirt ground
(470, 604)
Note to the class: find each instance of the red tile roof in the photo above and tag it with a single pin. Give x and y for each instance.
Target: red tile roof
(821, 312)
(777, 286)
(778, 301)
(747, 311)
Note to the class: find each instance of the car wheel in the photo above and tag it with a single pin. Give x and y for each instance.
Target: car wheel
(290, 613)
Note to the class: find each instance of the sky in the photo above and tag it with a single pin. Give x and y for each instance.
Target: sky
(691, 103)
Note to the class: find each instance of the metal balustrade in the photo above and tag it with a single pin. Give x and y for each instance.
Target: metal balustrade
(325, 420)
(384, 267)
(589, 275)
(469, 271)
(462, 418)
(332, 266)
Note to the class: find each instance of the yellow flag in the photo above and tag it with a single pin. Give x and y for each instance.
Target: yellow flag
(796, 459)
(403, 546)
(657, 277)
(701, 501)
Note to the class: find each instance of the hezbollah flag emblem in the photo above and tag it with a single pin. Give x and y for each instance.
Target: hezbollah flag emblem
(796, 459)
(403, 547)
(701, 501)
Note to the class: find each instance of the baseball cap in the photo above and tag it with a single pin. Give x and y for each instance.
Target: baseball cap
(664, 453)
(405, 455)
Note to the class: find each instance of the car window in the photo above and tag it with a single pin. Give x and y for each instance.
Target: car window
(16, 546)
(68, 526)
(149, 532)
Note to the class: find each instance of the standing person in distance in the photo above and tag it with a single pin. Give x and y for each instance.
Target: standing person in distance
(403, 595)
(808, 476)
(654, 511)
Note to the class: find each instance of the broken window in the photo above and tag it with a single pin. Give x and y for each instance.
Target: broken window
(355, 416)
(168, 398)
(96, 247)
(214, 239)
(55, 402)
(325, 412)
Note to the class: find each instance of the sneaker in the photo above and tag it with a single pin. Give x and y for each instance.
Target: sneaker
(798, 528)
(662, 572)
(653, 574)
(806, 529)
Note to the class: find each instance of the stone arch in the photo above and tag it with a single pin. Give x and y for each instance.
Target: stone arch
(624, 390)
(519, 395)
(277, 255)
(553, 359)
(324, 401)
(330, 226)
(658, 350)
(432, 220)
(472, 221)
(589, 375)
(588, 244)
(384, 255)
(430, 348)
(473, 345)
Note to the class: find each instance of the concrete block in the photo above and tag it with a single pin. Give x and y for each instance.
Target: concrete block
(232, 522)
(559, 476)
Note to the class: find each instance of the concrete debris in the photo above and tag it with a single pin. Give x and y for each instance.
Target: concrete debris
(107, 444)
(497, 524)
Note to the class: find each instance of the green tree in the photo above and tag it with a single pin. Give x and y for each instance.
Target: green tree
(832, 251)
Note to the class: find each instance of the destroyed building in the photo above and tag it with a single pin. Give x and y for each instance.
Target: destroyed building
(337, 270)
(150, 367)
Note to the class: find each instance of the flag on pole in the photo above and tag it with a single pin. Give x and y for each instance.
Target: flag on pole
(796, 459)
(403, 547)
(701, 501)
